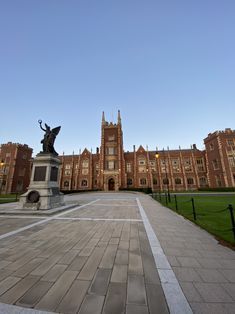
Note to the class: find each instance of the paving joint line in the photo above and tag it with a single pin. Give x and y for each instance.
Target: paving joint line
(99, 219)
(11, 233)
(115, 205)
(175, 297)
(8, 308)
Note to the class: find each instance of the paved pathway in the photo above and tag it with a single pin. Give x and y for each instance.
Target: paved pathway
(116, 253)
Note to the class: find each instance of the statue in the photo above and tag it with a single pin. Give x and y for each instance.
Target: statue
(49, 138)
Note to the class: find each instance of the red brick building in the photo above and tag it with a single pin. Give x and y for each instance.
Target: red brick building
(220, 158)
(15, 167)
(110, 168)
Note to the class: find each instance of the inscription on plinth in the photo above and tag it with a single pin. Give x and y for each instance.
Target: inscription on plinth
(40, 173)
(54, 174)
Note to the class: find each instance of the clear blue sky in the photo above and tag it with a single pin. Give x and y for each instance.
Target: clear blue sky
(168, 65)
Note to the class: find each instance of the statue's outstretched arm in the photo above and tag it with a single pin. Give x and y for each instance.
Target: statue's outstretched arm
(40, 123)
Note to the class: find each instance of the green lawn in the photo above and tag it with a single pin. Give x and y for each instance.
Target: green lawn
(211, 212)
(8, 198)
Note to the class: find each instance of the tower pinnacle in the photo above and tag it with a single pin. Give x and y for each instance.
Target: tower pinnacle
(103, 118)
(119, 117)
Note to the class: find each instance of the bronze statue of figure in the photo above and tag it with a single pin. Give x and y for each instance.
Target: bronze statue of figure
(49, 138)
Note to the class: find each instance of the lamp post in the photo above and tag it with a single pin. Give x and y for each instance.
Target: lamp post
(157, 156)
(167, 180)
(2, 175)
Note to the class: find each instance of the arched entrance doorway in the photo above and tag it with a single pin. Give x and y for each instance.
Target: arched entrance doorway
(111, 184)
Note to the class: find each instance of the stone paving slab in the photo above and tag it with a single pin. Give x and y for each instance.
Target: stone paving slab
(203, 267)
(96, 265)
(116, 253)
(15, 210)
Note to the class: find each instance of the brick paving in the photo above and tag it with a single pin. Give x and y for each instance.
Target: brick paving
(115, 255)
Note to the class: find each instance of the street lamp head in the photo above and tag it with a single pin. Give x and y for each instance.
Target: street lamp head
(157, 155)
(2, 163)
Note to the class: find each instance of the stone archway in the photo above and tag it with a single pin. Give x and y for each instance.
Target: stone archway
(111, 184)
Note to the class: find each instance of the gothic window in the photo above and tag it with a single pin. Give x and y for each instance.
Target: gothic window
(111, 138)
(164, 165)
(200, 164)
(129, 181)
(165, 181)
(19, 185)
(190, 180)
(85, 163)
(230, 142)
(111, 165)
(218, 181)
(211, 146)
(202, 181)
(85, 171)
(111, 150)
(152, 165)
(67, 166)
(66, 184)
(97, 168)
(155, 180)
(175, 165)
(142, 161)
(84, 183)
(215, 164)
(128, 167)
(142, 169)
(187, 164)
(67, 172)
(143, 181)
(178, 181)
(231, 160)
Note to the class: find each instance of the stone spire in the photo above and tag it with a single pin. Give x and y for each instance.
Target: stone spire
(103, 118)
(119, 117)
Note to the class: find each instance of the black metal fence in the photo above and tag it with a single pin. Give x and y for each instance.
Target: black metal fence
(195, 212)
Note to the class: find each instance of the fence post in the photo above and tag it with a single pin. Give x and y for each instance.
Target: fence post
(230, 207)
(160, 196)
(166, 197)
(176, 204)
(194, 212)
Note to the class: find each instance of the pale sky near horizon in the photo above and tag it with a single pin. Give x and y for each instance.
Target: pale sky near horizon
(169, 66)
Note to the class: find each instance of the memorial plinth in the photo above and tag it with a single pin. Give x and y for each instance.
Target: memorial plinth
(43, 191)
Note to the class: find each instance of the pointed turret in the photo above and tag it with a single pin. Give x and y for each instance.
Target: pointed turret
(119, 117)
(103, 118)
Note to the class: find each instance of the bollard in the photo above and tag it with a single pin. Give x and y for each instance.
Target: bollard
(176, 204)
(230, 207)
(194, 212)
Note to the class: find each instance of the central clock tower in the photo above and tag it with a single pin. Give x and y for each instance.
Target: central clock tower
(112, 164)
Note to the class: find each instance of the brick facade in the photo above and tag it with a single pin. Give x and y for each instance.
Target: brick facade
(220, 158)
(15, 167)
(110, 168)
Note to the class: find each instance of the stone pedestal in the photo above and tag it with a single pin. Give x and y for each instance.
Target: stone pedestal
(43, 191)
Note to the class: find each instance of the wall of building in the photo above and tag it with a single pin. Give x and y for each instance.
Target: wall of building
(15, 167)
(220, 158)
(110, 168)
(176, 170)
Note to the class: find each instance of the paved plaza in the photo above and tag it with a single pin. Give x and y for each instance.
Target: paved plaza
(112, 253)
